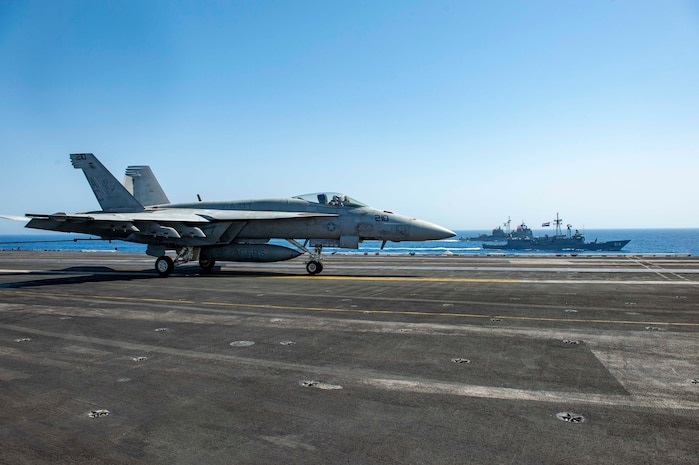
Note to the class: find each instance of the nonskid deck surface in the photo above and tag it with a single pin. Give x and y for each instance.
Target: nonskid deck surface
(380, 359)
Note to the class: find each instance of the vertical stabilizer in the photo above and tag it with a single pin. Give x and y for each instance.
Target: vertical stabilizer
(112, 196)
(143, 185)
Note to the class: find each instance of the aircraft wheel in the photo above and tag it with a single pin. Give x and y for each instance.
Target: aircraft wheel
(207, 264)
(314, 267)
(164, 265)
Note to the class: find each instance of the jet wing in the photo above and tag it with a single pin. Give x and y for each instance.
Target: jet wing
(179, 216)
(185, 226)
(244, 215)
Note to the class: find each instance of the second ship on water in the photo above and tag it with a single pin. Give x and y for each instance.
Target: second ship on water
(499, 234)
(522, 238)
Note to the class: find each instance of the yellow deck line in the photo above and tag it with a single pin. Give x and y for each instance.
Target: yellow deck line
(356, 310)
(481, 280)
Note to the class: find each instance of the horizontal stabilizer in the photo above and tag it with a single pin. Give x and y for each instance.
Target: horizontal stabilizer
(13, 218)
(62, 217)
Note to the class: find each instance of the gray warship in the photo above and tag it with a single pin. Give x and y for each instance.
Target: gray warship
(499, 234)
(558, 242)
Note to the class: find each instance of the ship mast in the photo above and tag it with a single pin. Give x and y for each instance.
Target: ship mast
(558, 223)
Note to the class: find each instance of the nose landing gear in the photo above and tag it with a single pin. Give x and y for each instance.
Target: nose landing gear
(314, 265)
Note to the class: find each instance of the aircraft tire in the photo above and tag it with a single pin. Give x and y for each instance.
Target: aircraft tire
(164, 265)
(207, 264)
(314, 267)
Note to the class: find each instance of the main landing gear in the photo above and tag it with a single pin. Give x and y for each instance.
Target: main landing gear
(164, 265)
(207, 264)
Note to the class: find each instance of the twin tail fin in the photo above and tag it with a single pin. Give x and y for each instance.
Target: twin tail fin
(110, 193)
(141, 182)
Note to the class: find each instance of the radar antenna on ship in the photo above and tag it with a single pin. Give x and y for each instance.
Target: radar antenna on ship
(558, 221)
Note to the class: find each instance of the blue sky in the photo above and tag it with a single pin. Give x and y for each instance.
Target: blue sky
(462, 113)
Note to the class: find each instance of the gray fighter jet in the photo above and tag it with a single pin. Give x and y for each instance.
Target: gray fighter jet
(238, 230)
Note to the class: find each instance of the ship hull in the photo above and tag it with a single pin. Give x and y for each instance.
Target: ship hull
(484, 238)
(553, 244)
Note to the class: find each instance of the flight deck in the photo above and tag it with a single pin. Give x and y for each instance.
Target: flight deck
(378, 360)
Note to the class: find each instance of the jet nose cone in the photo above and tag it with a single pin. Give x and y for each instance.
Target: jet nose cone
(425, 231)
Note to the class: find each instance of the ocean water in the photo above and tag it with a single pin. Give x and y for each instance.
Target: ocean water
(643, 241)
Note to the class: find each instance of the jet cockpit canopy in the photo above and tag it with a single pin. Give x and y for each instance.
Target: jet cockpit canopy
(331, 198)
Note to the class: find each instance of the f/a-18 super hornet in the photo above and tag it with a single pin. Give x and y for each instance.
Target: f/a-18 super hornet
(238, 230)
